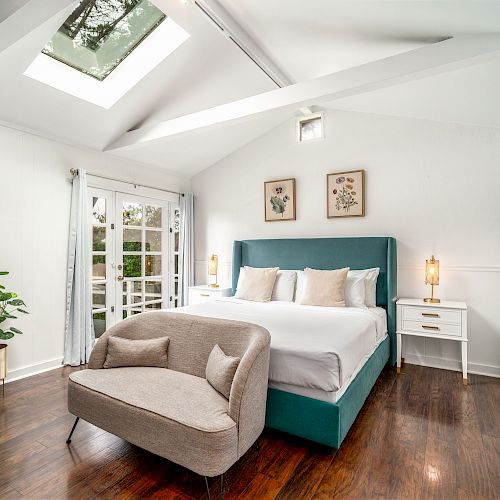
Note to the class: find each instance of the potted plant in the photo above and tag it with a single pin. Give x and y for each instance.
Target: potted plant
(9, 304)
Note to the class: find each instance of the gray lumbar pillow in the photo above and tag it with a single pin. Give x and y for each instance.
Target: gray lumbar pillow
(220, 370)
(127, 352)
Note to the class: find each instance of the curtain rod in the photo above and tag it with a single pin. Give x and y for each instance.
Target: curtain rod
(74, 173)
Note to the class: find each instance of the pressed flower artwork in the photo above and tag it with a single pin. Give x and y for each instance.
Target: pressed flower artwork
(345, 194)
(279, 200)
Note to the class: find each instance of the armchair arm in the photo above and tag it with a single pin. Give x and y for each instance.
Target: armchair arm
(247, 400)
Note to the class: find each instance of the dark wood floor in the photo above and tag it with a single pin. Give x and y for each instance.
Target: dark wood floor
(420, 435)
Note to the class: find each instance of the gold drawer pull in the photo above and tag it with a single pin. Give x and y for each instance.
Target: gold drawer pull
(204, 295)
(431, 315)
(427, 327)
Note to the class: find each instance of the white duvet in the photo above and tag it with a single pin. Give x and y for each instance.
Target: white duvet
(314, 347)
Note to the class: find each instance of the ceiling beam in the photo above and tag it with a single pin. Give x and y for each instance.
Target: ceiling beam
(19, 17)
(230, 28)
(419, 63)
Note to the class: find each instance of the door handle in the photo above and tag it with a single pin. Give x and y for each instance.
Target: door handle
(120, 278)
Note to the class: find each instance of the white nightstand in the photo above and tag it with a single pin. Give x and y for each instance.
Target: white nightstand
(446, 320)
(203, 293)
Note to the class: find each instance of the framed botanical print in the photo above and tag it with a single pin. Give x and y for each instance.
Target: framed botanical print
(279, 200)
(345, 194)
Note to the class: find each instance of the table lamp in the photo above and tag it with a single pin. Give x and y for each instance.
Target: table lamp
(432, 278)
(213, 264)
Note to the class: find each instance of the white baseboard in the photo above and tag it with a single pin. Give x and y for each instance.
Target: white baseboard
(452, 364)
(28, 371)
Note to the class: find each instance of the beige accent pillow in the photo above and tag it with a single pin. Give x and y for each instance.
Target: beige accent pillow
(220, 370)
(128, 352)
(257, 284)
(324, 288)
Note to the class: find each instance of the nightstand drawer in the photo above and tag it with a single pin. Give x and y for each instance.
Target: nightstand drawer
(432, 314)
(197, 296)
(201, 294)
(432, 327)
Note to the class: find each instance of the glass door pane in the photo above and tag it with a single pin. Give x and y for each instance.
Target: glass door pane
(142, 257)
(102, 206)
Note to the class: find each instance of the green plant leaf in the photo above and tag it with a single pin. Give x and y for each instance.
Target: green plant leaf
(6, 335)
(4, 273)
(22, 311)
(2, 287)
(16, 302)
(4, 296)
(9, 316)
(15, 330)
(2, 319)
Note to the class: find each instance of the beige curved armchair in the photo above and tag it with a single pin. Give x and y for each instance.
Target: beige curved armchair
(175, 412)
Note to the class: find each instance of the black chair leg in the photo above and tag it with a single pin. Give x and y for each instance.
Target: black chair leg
(208, 488)
(221, 495)
(72, 430)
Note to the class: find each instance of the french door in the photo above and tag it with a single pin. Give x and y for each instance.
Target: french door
(134, 256)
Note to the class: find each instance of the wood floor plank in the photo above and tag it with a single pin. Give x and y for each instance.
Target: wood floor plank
(473, 471)
(308, 474)
(419, 435)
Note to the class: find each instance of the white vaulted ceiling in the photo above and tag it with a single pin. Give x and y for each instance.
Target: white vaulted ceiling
(370, 49)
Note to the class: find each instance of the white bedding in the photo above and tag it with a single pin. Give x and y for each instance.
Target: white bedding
(328, 396)
(311, 347)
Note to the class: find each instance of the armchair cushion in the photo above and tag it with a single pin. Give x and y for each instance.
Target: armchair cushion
(220, 370)
(127, 352)
(173, 414)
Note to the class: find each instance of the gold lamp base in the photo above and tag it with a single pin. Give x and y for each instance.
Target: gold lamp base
(432, 301)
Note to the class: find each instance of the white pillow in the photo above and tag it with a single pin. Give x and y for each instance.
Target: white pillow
(300, 287)
(370, 276)
(257, 284)
(284, 286)
(355, 290)
(324, 288)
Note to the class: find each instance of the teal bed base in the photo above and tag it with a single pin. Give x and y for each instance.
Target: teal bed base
(320, 421)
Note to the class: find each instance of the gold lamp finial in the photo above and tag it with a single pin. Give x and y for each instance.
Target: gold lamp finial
(432, 278)
(213, 264)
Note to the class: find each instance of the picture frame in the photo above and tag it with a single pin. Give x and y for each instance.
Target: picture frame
(279, 200)
(345, 194)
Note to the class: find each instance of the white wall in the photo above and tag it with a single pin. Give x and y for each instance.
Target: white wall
(435, 187)
(35, 195)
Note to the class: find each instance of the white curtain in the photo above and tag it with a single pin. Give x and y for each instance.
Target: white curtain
(186, 247)
(79, 338)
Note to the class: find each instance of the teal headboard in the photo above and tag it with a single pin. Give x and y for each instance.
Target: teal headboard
(328, 253)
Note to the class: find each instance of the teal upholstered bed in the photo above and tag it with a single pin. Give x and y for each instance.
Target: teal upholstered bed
(319, 421)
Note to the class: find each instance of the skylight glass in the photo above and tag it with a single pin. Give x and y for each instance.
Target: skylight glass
(99, 34)
(99, 57)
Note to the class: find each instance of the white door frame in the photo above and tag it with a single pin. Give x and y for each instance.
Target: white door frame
(112, 192)
(139, 297)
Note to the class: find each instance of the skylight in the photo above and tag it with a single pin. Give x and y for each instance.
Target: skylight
(105, 47)
(99, 34)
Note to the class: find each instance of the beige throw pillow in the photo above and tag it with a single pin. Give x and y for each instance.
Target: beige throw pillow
(220, 370)
(257, 284)
(324, 288)
(127, 352)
